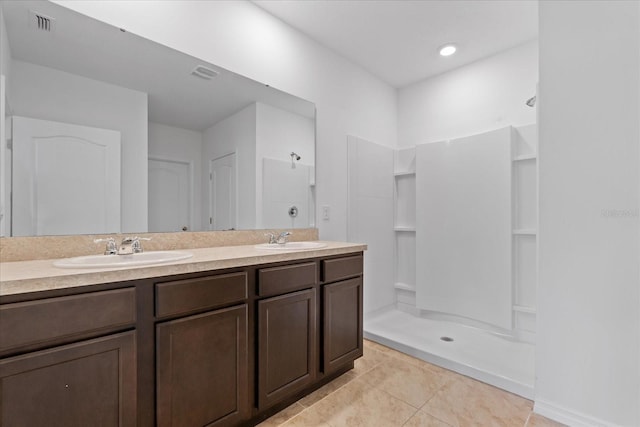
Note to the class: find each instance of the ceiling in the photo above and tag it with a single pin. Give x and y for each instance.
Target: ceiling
(398, 40)
(176, 98)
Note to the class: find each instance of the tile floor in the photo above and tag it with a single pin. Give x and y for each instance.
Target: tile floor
(388, 388)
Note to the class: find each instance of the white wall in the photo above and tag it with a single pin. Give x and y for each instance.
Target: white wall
(243, 38)
(286, 187)
(173, 143)
(5, 171)
(278, 133)
(371, 207)
(44, 93)
(236, 133)
(485, 95)
(5, 48)
(588, 345)
(5, 167)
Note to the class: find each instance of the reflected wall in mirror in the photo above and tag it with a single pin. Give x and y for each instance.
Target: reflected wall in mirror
(108, 132)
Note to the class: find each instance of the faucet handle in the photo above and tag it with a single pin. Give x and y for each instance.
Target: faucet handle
(136, 246)
(282, 238)
(272, 238)
(111, 248)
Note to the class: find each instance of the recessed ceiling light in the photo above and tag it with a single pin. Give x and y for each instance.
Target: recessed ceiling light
(448, 50)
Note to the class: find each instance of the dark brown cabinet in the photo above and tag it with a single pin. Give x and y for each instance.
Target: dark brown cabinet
(90, 383)
(342, 323)
(286, 345)
(216, 348)
(32, 325)
(202, 369)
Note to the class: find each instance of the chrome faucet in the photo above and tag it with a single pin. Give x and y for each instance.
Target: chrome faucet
(281, 239)
(131, 245)
(111, 248)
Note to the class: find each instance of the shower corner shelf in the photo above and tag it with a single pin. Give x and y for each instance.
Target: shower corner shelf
(525, 157)
(404, 286)
(524, 309)
(404, 173)
(405, 229)
(525, 232)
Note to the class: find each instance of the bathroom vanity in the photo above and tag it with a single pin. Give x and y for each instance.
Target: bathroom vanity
(226, 338)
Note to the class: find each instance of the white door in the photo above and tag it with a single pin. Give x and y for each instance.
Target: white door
(169, 195)
(222, 211)
(66, 179)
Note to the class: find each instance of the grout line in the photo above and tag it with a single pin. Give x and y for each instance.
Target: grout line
(300, 413)
(412, 415)
(526, 422)
(333, 392)
(439, 419)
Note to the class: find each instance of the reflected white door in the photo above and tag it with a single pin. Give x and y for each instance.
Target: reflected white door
(66, 179)
(222, 187)
(169, 195)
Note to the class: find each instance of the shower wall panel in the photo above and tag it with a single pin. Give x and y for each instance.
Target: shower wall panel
(463, 227)
(370, 217)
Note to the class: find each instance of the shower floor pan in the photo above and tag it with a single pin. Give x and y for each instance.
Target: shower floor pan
(473, 352)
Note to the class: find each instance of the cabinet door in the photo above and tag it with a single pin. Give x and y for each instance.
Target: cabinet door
(91, 383)
(286, 345)
(202, 369)
(342, 316)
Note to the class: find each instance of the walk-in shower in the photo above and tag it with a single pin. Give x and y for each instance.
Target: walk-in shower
(465, 253)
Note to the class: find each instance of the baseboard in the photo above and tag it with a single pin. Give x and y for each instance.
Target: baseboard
(567, 416)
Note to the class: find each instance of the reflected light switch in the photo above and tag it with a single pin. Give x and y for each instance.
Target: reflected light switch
(325, 213)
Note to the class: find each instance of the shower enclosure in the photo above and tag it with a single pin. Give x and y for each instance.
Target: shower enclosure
(464, 260)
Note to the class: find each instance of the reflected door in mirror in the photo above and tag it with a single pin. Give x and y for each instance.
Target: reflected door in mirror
(66, 179)
(170, 201)
(223, 193)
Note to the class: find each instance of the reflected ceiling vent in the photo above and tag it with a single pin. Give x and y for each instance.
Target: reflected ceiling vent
(204, 72)
(41, 22)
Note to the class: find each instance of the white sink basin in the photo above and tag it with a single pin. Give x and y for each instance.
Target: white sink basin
(291, 246)
(115, 261)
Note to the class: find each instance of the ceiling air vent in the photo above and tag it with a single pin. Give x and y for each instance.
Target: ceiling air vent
(41, 22)
(204, 72)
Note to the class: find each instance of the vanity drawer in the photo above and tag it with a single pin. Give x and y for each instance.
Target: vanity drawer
(189, 295)
(341, 268)
(34, 323)
(287, 278)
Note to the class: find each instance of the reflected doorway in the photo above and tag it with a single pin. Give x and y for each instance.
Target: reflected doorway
(170, 201)
(222, 188)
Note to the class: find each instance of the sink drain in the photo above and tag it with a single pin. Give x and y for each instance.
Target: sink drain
(446, 339)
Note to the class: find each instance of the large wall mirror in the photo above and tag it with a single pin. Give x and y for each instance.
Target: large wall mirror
(108, 132)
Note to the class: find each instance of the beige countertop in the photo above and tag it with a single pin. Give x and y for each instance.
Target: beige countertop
(40, 275)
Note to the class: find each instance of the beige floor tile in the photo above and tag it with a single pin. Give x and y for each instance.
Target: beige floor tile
(417, 362)
(370, 359)
(420, 419)
(308, 418)
(376, 346)
(359, 404)
(282, 416)
(405, 381)
(466, 402)
(536, 420)
(327, 389)
(402, 356)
